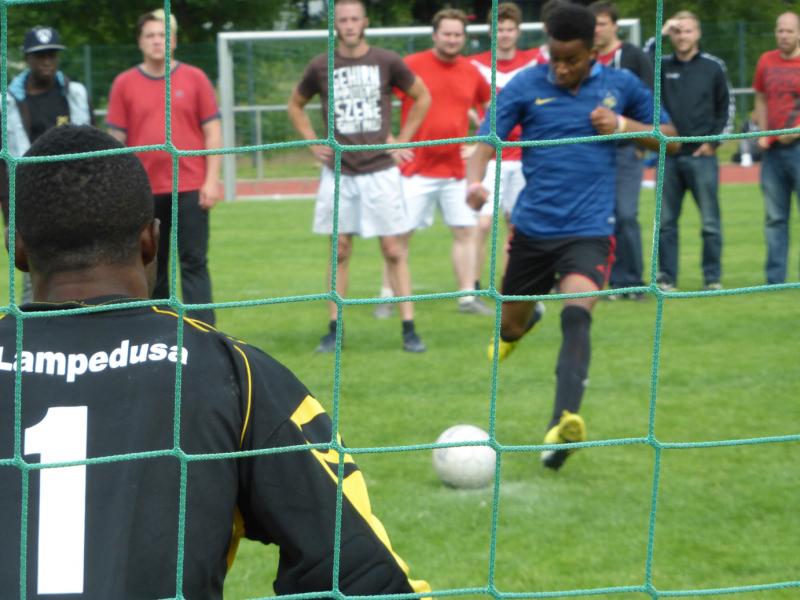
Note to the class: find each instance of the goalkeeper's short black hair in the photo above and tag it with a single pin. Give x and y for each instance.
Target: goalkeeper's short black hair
(78, 213)
(571, 22)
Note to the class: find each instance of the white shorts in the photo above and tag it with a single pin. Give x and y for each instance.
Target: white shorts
(511, 183)
(424, 193)
(369, 205)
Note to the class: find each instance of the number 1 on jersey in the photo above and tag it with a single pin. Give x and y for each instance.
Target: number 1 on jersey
(60, 437)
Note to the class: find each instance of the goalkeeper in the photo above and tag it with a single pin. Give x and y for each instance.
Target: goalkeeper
(103, 384)
(564, 217)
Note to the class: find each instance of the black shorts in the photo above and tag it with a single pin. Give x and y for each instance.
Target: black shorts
(534, 265)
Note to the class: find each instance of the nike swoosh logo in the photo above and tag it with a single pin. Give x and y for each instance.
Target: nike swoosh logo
(540, 101)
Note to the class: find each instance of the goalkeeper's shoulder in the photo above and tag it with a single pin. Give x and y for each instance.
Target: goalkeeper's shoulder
(267, 378)
(256, 357)
(257, 371)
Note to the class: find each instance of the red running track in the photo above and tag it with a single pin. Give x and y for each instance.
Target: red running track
(306, 187)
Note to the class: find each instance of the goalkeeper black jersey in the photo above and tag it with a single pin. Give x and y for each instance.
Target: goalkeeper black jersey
(103, 385)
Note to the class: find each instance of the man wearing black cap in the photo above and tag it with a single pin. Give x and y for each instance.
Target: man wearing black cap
(39, 98)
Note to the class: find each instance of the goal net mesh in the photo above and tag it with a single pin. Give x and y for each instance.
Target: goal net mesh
(283, 72)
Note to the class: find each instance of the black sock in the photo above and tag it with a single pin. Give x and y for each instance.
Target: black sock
(332, 326)
(572, 369)
(408, 326)
(478, 284)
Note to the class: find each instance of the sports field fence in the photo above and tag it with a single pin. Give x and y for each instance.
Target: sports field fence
(259, 113)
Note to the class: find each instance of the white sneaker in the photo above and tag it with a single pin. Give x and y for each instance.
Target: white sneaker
(474, 306)
(383, 311)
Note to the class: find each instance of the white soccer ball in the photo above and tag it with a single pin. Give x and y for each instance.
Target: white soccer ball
(467, 467)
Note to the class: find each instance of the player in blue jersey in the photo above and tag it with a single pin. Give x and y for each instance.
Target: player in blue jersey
(564, 218)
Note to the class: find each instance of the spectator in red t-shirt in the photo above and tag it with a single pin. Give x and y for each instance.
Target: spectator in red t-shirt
(510, 60)
(136, 117)
(435, 174)
(777, 86)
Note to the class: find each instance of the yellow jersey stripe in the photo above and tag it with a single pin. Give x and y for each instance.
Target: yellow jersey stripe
(204, 327)
(236, 536)
(308, 410)
(354, 487)
(249, 395)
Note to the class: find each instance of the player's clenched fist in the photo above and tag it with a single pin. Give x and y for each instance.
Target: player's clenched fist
(604, 120)
(477, 195)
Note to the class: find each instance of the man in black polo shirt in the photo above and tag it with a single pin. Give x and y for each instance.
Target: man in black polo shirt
(696, 93)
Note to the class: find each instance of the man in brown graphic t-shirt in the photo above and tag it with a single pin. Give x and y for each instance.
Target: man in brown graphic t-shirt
(370, 198)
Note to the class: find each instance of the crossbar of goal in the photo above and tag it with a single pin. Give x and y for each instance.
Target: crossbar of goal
(225, 63)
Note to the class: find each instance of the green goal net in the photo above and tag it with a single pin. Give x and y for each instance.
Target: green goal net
(646, 586)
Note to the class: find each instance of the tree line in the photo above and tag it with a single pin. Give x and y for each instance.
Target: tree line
(112, 21)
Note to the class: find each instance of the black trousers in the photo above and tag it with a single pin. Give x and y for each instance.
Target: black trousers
(192, 251)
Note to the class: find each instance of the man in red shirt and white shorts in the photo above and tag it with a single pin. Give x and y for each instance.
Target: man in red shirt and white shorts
(435, 174)
(136, 117)
(510, 61)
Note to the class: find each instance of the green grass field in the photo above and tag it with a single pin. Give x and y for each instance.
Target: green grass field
(726, 516)
(728, 370)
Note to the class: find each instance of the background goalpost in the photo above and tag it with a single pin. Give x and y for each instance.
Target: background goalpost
(292, 49)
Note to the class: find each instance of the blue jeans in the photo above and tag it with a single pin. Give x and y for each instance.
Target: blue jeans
(700, 175)
(780, 175)
(627, 269)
